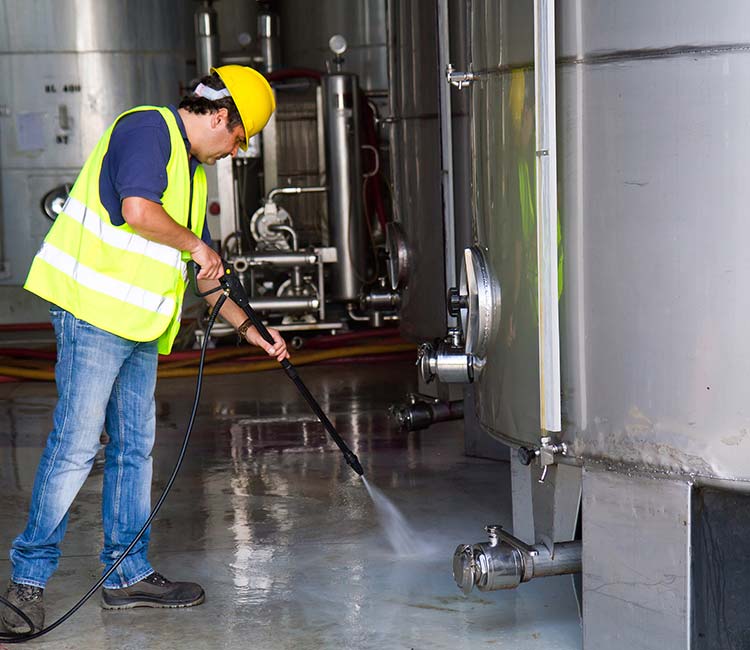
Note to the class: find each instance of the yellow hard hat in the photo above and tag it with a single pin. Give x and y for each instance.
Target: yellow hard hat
(252, 95)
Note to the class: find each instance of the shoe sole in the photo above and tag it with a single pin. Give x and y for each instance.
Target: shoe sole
(18, 629)
(146, 602)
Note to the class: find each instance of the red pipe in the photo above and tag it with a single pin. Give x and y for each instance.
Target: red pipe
(294, 73)
(25, 327)
(28, 353)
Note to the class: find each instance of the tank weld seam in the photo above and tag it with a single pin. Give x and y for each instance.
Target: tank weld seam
(622, 56)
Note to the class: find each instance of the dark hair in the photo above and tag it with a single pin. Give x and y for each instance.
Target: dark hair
(202, 106)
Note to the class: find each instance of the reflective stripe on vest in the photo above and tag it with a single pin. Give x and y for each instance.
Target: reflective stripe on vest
(91, 279)
(129, 241)
(110, 276)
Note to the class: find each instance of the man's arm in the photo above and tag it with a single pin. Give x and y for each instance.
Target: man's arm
(151, 221)
(235, 316)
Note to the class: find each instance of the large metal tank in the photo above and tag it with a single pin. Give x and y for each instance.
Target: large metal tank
(414, 138)
(68, 68)
(652, 133)
(305, 34)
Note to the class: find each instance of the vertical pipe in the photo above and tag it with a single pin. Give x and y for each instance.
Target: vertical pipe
(344, 168)
(546, 201)
(446, 150)
(206, 38)
(269, 41)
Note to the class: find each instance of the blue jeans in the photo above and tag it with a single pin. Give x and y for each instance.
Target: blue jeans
(103, 382)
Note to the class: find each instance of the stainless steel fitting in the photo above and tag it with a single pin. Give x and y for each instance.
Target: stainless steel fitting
(504, 562)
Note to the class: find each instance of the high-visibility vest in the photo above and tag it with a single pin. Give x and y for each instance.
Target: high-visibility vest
(109, 275)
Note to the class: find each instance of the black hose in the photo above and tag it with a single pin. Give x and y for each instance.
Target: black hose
(22, 638)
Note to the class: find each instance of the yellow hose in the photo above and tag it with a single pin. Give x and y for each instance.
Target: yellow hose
(300, 359)
(24, 373)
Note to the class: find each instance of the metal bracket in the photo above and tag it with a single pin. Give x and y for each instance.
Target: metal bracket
(496, 532)
(460, 79)
(547, 452)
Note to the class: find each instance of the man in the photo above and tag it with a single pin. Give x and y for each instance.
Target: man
(113, 265)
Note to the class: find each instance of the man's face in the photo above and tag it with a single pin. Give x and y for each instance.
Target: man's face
(219, 141)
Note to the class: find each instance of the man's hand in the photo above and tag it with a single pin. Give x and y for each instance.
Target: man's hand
(209, 261)
(150, 220)
(278, 349)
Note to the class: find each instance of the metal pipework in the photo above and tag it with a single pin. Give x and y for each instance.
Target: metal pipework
(341, 116)
(206, 38)
(285, 305)
(422, 413)
(447, 361)
(290, 231)
(273, 258)
(380, 298)
(293, 190)
(269, 40)
(504, 562)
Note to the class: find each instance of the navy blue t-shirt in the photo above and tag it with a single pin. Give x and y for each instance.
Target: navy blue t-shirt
(136, 163)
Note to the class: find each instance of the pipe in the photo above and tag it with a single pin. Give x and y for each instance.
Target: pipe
(290, 231)
(206, 38)
(269, 41)
(495, 565)
(294, 73)
(421, 414)
(273, 258)
(293, 190)
(302, 358)
(546, 202)
(285, 305)
(446, 152)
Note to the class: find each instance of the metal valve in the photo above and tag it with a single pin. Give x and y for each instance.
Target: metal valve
(456, 302)
(547, 452)
(460, 79)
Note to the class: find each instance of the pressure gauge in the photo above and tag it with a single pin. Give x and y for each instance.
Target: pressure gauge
(338, 45)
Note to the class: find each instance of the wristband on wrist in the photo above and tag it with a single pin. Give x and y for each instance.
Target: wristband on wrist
(242, 329)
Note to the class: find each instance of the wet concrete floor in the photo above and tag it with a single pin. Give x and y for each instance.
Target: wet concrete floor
(282, 534)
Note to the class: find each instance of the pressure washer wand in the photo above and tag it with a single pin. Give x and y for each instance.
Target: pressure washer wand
(232, 285)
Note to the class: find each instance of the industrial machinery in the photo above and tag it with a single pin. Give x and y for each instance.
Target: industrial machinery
(294, 223)
(301, 214)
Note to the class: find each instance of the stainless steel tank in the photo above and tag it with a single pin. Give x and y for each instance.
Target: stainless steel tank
(651, 138)
(414, 138)
(305, 34)
(652, 133)
(68, 68)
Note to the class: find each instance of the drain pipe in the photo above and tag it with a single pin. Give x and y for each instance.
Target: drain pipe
(504, 562)
(422, 413)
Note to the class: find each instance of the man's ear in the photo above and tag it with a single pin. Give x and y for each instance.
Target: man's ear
(219, 117)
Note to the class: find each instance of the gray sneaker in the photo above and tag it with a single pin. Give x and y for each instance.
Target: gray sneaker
(30, 600)
(154, 591)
